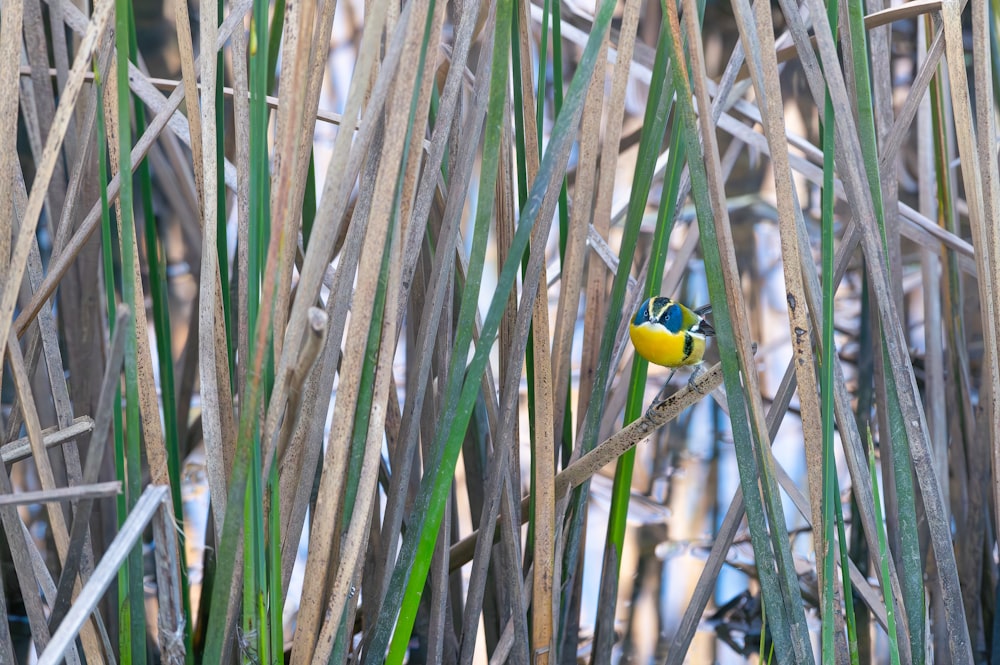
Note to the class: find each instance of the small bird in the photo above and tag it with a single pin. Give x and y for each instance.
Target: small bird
(669, 334)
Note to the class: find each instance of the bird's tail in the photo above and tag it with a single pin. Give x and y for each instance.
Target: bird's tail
(704, 327)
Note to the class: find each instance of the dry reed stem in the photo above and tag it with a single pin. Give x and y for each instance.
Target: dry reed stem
(917, 227)
(291, 154)
(189, 78)
(580, 214)
(987, 181)
(597, 277)
(39, 101)
(170, 610)
(217, 418)
(241, 113)
(757, 37)
(728, 529)
(543, 451)
(19, 449)
(737, 306)
(311, 347)
(146, 87)
(318, 389)
(57, 494)
(79, 558)
(60, 265)
(307, 417)
(583, 468)
(356, 536)
(875, 19)
(22, 385)
(23, 554)
(10, 43)
(935, 396)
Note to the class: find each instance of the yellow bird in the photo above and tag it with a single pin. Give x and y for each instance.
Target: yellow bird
(669, 334)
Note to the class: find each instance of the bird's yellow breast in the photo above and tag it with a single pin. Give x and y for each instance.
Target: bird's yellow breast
(660, 346)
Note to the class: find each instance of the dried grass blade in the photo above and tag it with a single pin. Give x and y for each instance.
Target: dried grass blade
(597, 277)
(83, 493)
(659, 103)
(10, 44)
(47, 334)
(217, 411)
(512, 338)
(39, 100)
(291, 158)
(989, 180)
(582, 469)
(23, 386)
(171, 609)
(757, 36)
(580, 227)
(19, 449)
(539, 207)
(543, 521)
(241, 111)
(47, 163)
(341, 174)
(59, 265)
(189, 78)
(22, 548)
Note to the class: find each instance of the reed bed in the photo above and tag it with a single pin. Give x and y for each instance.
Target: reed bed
(368, 278)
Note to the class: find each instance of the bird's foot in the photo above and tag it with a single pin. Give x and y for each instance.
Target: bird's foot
(693, 381)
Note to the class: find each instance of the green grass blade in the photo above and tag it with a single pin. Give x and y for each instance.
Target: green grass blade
(133, 639)
(845, 559)
(273, 42)
(309, 202)
(995, 47)
(261, 73)
(883, 557)
(246, 463)
(108, 254)
(157, 266)
(828, 357)
(222, 243)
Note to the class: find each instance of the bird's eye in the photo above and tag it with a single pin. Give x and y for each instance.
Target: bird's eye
(672, 318)
(642, 315)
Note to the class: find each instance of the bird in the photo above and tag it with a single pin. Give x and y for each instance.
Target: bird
(667, 333)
